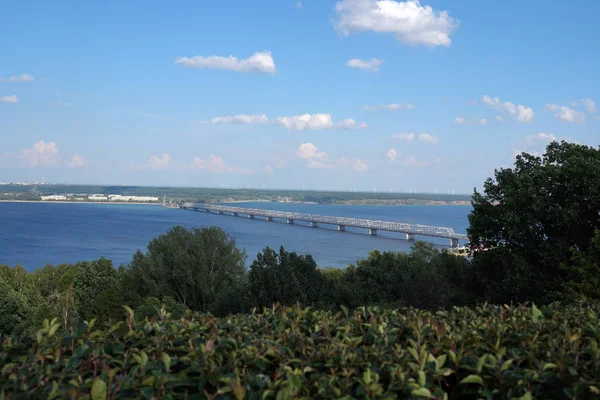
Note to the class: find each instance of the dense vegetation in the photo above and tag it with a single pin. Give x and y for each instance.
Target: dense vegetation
(32, 192)
(539, 224)
(491, 352)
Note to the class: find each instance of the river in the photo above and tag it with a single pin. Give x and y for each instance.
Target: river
(36, 234)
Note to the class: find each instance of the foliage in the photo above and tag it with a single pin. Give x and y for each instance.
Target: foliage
(97, 290)
(192, 266)
(497, 352)
(284, 277)
(532, 217)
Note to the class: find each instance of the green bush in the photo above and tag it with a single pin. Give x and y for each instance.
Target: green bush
(491, 352)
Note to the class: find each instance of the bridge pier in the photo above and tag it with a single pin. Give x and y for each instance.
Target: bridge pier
(290, 221)
(454, 243)
(410, 236)
(313, 224)
(372, 231)
(251, 216)
(270, 219)
(341, 228)
(234, 214)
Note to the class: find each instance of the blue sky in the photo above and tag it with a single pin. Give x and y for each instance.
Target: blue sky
(320, 94)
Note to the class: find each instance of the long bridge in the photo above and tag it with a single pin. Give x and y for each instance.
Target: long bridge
(410, 230)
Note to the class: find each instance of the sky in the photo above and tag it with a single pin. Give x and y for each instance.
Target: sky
(363, 95)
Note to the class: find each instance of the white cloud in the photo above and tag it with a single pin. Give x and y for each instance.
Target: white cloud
(589, 105)
(409, 137)
(217, 165)
(274, 163)
(312, 156)
(317, 122)
(20, 78)
(540, 137)
(566, 114)
(298, 5)
(9, 99)
(159, 162)
(428, 138)
(42, 154)
(371, 65)
(499, 118)
(407, 161)
(356, 164)
(77, 161)
(241, 119)
(61, 103)
(412, 161)
(392, 154)
(471, 121)
(520, 112)
(389, 107)
(410, 22)
(261, 61)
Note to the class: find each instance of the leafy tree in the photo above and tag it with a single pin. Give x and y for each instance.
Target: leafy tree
(14, 310)
(97, 290)
(192, 266)
(532, 217)
(583, 274)
(284, 277)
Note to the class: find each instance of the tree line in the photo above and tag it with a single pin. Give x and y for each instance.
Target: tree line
(539, 223)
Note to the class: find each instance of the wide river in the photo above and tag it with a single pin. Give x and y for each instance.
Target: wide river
(36, 234)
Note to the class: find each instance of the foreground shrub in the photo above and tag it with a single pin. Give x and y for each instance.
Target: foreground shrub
(497, 352)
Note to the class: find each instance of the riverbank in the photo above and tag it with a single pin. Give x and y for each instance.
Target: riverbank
(81, 202)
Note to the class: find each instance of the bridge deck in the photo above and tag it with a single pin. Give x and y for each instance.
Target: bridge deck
(411, 229)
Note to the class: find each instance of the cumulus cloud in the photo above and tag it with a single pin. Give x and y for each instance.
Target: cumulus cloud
(317, 122)
(77, 161)
(217, 165)
(533, 144)
(20, 78)
(389, 107)
(409, 21)
(499, 118)
(470, 121)
(428, 138)
(261, 61)
(241, 119)
(371, 65)
(44, 154)
(356, 164)
(566, 114)
(275, 163)
(312, 156)
(520, 112)
(409, 137)
(9, 99)
(159, 162)
(589, 105)
(406, 161)
(392, 154)
(540, 137)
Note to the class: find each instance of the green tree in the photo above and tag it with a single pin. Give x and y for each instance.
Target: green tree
(97, 290)
(192, 266)
(14, 310)
(284, 277)
(531, 217)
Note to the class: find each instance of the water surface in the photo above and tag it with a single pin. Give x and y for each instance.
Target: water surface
(36, 234)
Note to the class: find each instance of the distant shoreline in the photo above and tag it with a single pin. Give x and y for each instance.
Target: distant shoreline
(81, 202)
